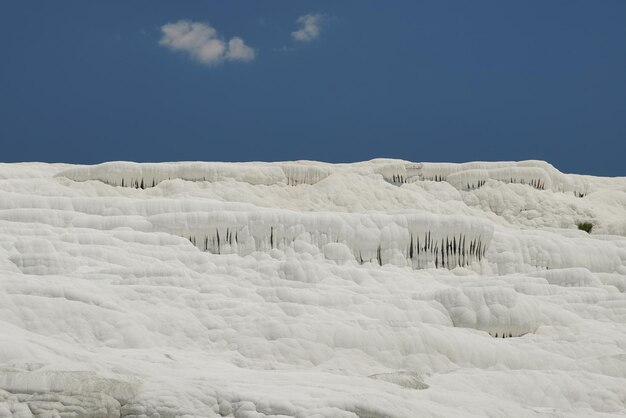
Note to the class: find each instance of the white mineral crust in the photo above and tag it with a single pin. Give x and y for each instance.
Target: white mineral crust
(385, 288)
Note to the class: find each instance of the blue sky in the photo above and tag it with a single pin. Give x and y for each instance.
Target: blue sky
(85, 82)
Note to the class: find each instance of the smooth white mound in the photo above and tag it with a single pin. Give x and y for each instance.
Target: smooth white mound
(302, 289)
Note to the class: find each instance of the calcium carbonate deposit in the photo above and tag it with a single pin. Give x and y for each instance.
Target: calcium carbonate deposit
(303, 289)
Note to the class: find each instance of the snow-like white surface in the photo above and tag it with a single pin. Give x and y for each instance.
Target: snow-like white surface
(302, 289)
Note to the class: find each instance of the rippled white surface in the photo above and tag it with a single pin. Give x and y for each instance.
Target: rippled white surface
(306, 289)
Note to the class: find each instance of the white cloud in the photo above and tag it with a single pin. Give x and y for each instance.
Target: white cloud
(310, 27)
(201, 42)
(238, 50)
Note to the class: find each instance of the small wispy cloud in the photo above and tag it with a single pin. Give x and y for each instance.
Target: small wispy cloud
(201, 42)
(310, 27)
(285, 48)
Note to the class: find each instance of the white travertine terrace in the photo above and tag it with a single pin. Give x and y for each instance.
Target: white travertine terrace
(144, 175)
(384, 288)
(417, 239)
(538, 174)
